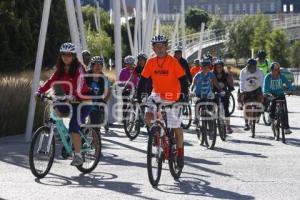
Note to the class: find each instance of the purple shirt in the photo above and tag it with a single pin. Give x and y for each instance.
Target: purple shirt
(125, 75)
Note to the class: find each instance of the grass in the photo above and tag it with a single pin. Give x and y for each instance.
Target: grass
(15, 92)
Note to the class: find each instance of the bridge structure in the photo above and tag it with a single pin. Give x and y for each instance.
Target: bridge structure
(289, 23)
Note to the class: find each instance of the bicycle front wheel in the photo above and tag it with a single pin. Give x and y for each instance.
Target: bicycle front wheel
(90, 150)
(131, 125)
(41, 152)
(154, 155)
(210, 133)
(174, 169)
(231, 104)
(186, 116)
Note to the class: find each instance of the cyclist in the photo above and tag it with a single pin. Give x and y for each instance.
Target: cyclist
(262, 62)
(225, 82)
(86, 57)
(70, 70)
(273, 84)
(128, 79)
(183, 62)
(169, 83)
(141, 61)
(100, 87)
(251, 81)
(203, 84)
(197, 68)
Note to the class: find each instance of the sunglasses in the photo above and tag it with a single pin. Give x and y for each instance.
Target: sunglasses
(67, 54)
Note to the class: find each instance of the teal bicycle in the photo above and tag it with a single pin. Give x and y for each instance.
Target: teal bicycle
(42, 147)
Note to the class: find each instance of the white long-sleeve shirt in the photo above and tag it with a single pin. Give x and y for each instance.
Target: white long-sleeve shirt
(251, 81)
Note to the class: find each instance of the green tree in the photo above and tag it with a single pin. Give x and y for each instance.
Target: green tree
(240, 36)
(262, 32)
(294, 54)
(218, 26)
(277, 47)
(194, 17)
(100, 44)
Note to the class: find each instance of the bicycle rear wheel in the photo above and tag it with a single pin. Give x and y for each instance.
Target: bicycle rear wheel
(41, 155)
(186, 116)
(174, 169)
(154, 155)
(90, 150)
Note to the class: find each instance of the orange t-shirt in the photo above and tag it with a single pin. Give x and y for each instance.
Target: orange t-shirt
(165, 73)
(195, 70)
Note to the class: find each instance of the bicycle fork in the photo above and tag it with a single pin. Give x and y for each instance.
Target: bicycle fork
(50, 137)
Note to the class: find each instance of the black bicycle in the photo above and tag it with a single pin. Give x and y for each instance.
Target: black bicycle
(206, 127)
(221, 117)
(161, 146)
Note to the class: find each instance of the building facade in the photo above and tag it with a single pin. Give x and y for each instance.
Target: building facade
(226, 6)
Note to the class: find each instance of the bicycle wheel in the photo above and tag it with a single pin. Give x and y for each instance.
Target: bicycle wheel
(186, 116)
(41, 155)
(252, 126)
(174, 169)
(222, 129)
(154, 155)
(266, 118)
(210, 133)
(90, 150)
(200, 135)
(131, 125)
(281, 127)
(231, 107)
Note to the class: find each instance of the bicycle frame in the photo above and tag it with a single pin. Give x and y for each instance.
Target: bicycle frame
(57, 123)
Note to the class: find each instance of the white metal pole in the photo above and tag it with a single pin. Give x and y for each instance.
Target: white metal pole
(175, 32)
(144, 21)
(183, 27)
(136, 27)
(146, 40)
(98, 15)
(201, 40)
(128, 27)
(118, 44)
(140, 26)
(73, 27)
(157, 17)
(110, 16)
(96, 22)
(37, 68)
(81, 26)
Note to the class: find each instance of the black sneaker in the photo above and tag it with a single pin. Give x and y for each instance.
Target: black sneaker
(247, 127)
(180, 162)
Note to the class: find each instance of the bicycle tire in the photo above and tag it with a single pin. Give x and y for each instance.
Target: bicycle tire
(153, 136)
(222, 129)
(32, 165)
(231, 104)
(135, 125)
(96, 141)
(189, 114)
(174, 170)
(210, 133)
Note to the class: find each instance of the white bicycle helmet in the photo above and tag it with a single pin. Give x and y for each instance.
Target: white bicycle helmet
(97, 60)
(159, 39)
(67, 48)
(129, 60)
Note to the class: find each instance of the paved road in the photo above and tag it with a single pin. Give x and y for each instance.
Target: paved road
(241, 168)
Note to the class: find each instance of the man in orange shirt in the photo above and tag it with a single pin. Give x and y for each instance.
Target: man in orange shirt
(169, 86)
(197, 67)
